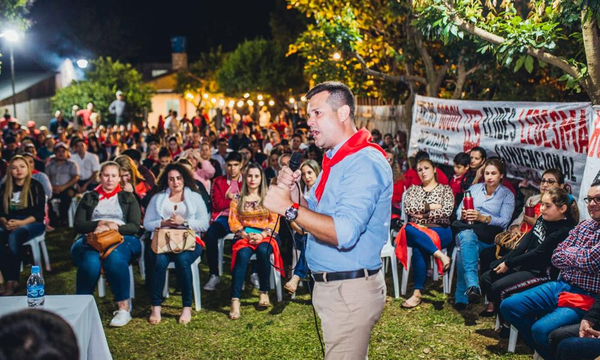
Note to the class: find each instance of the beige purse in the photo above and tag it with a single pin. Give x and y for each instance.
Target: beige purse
(173, 240)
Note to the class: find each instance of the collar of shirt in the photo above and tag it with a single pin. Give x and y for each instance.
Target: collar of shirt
(331, 152)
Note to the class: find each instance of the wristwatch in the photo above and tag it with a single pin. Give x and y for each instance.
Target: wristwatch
(292, 212)
(186, 224)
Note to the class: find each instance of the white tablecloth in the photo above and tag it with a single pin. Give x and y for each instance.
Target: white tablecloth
(80, 311)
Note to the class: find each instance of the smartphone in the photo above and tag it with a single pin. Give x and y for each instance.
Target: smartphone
(234, 187)
(252, 230)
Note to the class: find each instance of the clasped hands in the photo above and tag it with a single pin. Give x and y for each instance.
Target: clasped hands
(104, 225)
(11, 225)
(586, 330)
(174, 221)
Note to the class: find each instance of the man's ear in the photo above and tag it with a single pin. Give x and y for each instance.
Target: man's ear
(344, 112)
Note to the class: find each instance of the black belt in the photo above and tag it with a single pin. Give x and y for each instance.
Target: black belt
(343, 275)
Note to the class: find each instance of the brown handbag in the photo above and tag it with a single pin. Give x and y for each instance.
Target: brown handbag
(507, 240)
(104, 242)
(167, 240)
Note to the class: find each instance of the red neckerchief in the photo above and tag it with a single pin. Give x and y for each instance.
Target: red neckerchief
(357, 142)
(34, 172)
(104, 195)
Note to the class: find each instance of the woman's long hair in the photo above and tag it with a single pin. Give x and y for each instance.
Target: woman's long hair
(262, 189)
(315, 168)
(26, 196)
(127, 164)
(162, 183)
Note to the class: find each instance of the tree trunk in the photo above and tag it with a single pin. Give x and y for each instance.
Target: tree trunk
(591, 44)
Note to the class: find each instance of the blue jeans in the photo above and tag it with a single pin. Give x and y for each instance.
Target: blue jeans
(263, 263)
(183, 262)
(11, 248)
(467, 263)
(217, 230)
(535, 313)
(577, 348)
(301, 269)
(423, 248)
(116, 266)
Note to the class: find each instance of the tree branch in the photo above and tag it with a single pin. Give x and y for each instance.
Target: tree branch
(387, 77)
(497, 40)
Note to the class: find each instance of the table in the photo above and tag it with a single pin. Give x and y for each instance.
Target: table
(80, 311)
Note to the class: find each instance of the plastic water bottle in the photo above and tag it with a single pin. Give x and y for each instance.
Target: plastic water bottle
(35, 288)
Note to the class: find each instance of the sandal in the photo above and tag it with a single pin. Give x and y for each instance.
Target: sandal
(155, 320)
(263, 299)
(292, 285)
(234, 313)
(406, 305)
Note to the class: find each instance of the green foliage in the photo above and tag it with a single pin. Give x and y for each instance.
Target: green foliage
(102, 82)
(374, 30)
(260, 66)
(537, 25)
(201, 76)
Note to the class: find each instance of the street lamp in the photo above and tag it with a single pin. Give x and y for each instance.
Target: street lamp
(12, 36)
(82, 63)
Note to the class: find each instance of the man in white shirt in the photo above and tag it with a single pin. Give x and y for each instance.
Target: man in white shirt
(88, 164)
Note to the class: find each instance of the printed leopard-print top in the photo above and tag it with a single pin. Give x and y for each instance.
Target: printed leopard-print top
(416, 198)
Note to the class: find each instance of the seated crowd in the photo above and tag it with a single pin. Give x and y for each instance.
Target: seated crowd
(536, 264)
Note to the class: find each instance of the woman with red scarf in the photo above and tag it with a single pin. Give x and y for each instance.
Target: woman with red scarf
(254, 228)
(107, 208)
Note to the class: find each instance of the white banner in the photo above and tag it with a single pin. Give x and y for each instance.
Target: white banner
(530, 137)
(592, 166)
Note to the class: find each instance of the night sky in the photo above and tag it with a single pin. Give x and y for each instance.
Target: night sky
(135, 30)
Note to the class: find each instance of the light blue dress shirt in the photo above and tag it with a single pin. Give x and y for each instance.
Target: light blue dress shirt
(500, 206)
(358, 196)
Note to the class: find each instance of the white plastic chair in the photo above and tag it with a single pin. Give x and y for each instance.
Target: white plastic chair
(195, 282)
(221, 247)
(275, 278)
(72, 210)
(512, 339)
(102, 284)
(388, 253)
(36, 244)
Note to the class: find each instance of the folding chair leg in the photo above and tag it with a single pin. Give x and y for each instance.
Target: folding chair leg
(196, 286)
(394, 263)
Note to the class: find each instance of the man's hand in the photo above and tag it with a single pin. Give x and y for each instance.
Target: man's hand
(277, 199)
(501, 269)
(288, 179)
(57, 189)
(586, 330)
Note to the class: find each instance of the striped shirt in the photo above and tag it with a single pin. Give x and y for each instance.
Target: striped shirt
(578, 256)
(499, 206)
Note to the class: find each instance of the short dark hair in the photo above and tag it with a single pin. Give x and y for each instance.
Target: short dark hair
(223, 140)
(481, 151)
(36, 334)
(595, 183)
(462, 159)
(339, 95)
(163, 152)
(234, 156)
(420, 156)
(296, 135)
(134, 154)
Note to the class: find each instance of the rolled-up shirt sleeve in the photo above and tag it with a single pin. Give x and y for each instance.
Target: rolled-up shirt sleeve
(357, 196)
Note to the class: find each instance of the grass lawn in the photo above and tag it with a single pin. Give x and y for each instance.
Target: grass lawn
(434, 330)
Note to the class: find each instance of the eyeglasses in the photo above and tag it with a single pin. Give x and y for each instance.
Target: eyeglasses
(548, 181)
(595, 199)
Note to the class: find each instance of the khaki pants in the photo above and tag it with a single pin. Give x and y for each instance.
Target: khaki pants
(348, 310)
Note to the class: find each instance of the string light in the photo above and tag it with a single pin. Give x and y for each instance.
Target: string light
(240, 103)
(213, 100)
(250, 102)
(221, 102)
(246, 95)
(337, 56)
(303, 98)
(189, 96)
(271, 102)
(205, 96)
(261, 103)
(231, 103)
(259, 97)
(292, 100)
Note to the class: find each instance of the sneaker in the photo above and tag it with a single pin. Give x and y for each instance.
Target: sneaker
(474, 294)
(254, 280)
(212, 283)
(122, 318)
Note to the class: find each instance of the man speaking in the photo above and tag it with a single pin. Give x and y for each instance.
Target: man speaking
(347, 215)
